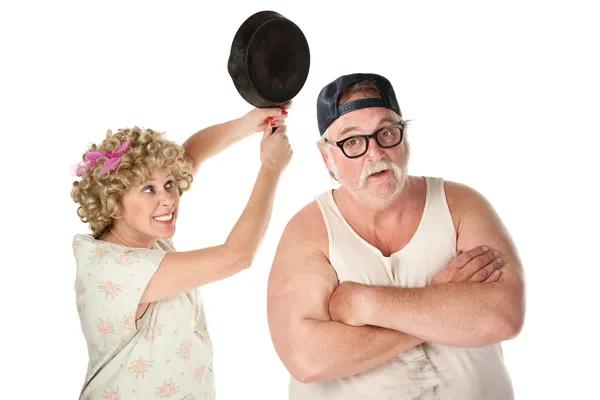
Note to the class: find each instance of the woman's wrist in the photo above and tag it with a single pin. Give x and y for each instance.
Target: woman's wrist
(270, 171)
(243, 126)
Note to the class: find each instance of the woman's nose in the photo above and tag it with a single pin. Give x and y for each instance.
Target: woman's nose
(167, 199)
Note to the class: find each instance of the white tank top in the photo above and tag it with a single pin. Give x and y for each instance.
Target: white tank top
(425, 372)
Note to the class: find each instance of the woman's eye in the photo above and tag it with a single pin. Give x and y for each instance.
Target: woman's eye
(170, 185)
(148, 189)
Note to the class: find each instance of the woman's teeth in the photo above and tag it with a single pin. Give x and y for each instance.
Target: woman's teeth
(164, 218)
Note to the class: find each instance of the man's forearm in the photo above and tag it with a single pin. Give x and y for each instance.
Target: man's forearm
(332, 350)
(461, 314)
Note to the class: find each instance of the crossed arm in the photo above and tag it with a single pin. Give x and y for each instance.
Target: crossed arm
(304, 296)
(309, 343)
(463, 314)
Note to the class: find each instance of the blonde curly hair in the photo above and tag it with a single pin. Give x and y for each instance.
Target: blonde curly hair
(99, 195)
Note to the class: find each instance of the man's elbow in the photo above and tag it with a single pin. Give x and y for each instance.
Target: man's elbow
(513, 325)
(303, 364)
(302, 369)
(304, 377)
(508, 316)
(507, 325)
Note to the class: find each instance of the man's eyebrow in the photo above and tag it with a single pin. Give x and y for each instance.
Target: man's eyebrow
(348, 129)
(388, 120)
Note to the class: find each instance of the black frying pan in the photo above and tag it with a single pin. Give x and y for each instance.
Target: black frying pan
(269, 60)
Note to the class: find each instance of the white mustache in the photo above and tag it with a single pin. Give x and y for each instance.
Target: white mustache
(378, 166)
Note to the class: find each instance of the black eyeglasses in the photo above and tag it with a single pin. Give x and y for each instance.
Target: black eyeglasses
(386, 137)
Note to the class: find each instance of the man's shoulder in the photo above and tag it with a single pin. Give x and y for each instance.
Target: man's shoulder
(307, 218)
(463, 199)
(307, 226)
(460, 191)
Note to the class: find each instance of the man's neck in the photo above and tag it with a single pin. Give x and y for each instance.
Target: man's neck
(387, 211)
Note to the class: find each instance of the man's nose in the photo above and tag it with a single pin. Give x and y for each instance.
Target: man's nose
(374, 151)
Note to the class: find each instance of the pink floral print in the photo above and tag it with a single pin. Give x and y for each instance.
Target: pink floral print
(111, 394)
(129, 359)
(154, 331)
(140, 367)
(100, 251)
(104, 327)
(79, 287)
(184, 350)
(110, 288)
(199, 372)
(128, 322)
(167, 390)
(127, 258)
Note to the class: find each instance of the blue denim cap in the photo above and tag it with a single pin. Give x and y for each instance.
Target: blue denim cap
(327, 102)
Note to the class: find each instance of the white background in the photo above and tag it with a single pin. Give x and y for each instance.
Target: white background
(504, 98)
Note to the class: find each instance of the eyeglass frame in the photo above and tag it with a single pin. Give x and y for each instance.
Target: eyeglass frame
(374, 135)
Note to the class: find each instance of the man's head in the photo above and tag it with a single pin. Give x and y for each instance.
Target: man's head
(372, 169)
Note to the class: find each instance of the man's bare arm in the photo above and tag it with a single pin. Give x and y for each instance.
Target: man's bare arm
(462, 314)
(311, 346)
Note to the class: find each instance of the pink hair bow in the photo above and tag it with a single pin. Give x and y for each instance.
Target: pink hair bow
(91, 159)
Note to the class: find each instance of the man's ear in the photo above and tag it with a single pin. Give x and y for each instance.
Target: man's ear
(324, 157)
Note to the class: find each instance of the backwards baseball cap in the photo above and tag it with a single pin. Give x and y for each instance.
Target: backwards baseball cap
(327, 102)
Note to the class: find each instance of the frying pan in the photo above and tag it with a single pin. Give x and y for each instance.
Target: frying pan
(269, 60)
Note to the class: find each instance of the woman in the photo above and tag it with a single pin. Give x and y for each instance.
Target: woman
(137, 298)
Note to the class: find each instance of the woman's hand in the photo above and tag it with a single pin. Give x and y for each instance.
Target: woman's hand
(275, 149)
(257, 119)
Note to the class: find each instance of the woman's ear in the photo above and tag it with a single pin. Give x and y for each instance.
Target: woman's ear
(118, 214)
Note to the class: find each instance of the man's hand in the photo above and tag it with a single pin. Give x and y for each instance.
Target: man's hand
(344, 303)
(480, 264)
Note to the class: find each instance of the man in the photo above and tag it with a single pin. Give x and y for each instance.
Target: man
(392, 286)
